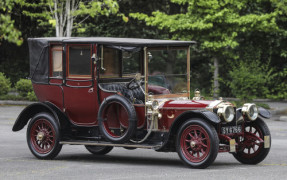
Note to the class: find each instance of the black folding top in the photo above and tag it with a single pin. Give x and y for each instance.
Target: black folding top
(116, 41)
(39, 50)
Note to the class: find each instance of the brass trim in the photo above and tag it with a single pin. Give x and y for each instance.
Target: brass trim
(188, 71)
(146, 78)
(102, 58)
(266, 141)
(170, 116)
(232, 144)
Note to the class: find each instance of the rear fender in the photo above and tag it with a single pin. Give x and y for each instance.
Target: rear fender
(34, 109)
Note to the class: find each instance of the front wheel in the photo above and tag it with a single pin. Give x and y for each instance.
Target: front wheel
(99, 150)
(197, 143)
(251, 147)
(43, 136)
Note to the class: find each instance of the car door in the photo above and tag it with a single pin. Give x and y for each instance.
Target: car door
(80, 97)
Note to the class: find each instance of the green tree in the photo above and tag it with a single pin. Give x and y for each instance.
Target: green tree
(8, 31)
(65, 15)
(215, 24)
(249, 80)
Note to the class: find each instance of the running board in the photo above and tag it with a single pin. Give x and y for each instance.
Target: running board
(89, 143)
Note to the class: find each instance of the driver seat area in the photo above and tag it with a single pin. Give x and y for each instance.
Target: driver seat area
(136, 96)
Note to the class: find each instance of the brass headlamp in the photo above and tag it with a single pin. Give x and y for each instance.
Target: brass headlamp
(250, 111)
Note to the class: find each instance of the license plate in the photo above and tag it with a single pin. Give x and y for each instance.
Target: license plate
(231, 130)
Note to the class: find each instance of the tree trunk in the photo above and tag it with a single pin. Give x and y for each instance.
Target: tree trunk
(215, 78)
(68, 13)
(56, 18)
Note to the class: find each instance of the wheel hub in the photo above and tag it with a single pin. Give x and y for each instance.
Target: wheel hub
(192, 144)
(196, 144)
(41, 136)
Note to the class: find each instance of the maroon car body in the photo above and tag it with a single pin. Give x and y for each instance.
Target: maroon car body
(96, 92)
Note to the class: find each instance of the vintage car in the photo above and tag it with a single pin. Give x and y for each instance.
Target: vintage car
(132, 93)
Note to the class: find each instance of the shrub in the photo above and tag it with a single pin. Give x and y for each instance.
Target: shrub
(250, 80)
(24, 86)
(5, 84)
(279, 85)
(31, 96)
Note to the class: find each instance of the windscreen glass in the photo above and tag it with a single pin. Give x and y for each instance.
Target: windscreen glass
(167, 71)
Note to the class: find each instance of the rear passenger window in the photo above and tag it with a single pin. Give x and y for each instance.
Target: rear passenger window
(79, 60)
(56, 61)
(111, 63)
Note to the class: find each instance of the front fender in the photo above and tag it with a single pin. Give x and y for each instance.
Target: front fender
(209, 116)
(31, 111)
(264, 113)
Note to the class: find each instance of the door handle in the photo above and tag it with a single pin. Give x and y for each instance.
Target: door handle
(91, 90)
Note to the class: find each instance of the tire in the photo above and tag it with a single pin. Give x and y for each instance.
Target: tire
(43, 136)
(250, 150)
(126, 107)
(197, 143)
(99, 150)
(130, 148)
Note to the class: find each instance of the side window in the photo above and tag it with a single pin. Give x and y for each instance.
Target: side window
(56, 61)
(117, 63)
(111, 63)
(131, 62)
(79, 60)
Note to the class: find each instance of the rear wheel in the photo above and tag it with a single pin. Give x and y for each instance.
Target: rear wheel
(251, 147)
(99, 150)
(43, 136)
(197, 143)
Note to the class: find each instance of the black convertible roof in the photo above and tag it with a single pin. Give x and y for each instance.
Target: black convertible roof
(114, 41)
(39, 50)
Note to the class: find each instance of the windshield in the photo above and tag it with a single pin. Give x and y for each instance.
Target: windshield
(167, 71)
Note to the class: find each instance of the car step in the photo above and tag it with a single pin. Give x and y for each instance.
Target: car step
(98, 143)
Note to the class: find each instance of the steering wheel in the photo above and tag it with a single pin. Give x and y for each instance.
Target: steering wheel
(135, 82)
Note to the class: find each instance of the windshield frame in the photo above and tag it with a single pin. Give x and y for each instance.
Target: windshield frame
(146, 63)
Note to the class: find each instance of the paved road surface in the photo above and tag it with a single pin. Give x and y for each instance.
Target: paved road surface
(74, 162)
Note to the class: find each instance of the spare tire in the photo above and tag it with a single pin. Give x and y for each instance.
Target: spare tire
(117, 119)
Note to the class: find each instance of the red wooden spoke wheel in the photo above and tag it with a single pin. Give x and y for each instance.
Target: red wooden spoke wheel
(253, 141)
(197, 143)
(43, 136)
(251, 147)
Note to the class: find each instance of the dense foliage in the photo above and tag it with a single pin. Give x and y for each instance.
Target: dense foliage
(23, 87)
(249, 80)
(244, 41)
(5, 84)
(226, 31)
(8, 31)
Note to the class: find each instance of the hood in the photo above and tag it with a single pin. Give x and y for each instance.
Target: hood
(190, 104)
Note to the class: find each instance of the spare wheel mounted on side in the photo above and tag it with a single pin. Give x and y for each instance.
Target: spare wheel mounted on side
(117, 119)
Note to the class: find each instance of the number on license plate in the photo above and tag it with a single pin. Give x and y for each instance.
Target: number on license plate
(231, 129)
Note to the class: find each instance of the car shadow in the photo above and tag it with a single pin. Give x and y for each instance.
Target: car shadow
(137, 160)
(122, 159)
